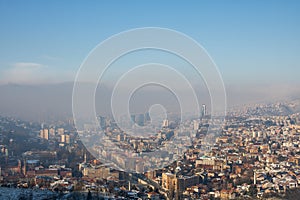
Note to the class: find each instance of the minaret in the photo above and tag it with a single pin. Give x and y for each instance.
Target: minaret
(85, 157)
(129, 186)
(254, 178)
(24, 168)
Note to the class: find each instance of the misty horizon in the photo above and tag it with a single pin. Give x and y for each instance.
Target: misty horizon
(54, 101)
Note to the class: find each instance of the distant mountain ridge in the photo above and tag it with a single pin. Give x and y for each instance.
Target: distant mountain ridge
(54, 101)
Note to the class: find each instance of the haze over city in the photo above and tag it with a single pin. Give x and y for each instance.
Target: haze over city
(254, 44)
(149, 100)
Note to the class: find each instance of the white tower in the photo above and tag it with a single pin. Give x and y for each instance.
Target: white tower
(203, 110)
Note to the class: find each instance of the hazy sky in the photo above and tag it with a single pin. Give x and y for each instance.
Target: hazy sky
(255, 44)
(250, 41)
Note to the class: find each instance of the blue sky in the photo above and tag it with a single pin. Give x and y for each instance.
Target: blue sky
(250, 41)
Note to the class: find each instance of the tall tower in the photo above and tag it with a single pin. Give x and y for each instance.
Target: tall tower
(203, 110)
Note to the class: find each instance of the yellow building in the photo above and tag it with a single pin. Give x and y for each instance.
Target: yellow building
(168, 181)
(96, 172)
(173, 183)
(44, 133)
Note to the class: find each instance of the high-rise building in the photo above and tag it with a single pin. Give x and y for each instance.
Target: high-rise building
(203, 110)
(44, 133)
(165, 123)
(63, 138)
(68, 140)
